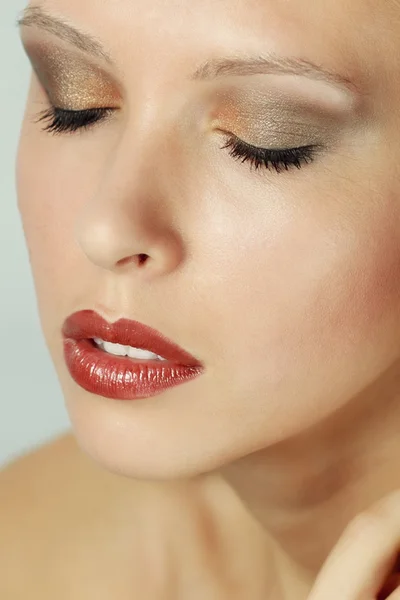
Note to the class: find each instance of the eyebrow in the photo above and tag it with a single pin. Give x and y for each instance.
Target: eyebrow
(38, 17)
(217, 68)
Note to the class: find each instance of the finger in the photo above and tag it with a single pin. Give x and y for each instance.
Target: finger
(363, 557)
(395, 595)
(391, 584)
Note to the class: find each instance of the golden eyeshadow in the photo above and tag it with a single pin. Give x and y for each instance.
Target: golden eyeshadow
(71, 82)
(269, 118)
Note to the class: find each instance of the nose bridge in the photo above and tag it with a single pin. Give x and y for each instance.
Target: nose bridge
(150, 135)
(128, 216)
(147, 130)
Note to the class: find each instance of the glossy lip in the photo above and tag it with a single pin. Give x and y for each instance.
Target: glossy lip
(87, 324)
(123, 377)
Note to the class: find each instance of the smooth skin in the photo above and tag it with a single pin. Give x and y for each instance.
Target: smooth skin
(364, 555)
(285, 285)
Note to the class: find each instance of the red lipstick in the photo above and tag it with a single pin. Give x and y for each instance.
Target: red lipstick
(123, 377)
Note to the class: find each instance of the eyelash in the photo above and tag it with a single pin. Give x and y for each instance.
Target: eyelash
(63, 121)
(69, 121)
(270, 159)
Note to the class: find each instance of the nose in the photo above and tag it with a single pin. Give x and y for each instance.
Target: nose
(128, 223)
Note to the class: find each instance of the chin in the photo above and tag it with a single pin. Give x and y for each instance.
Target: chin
(192, 429)
(144, 439)
(147, 463)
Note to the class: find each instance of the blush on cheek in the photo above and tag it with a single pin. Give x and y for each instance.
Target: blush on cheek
(373, 276)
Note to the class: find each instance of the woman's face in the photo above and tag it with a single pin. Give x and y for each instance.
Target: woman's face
(285, 283)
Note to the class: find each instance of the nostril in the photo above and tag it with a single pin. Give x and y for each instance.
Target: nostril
(139, 258)
(142, 258)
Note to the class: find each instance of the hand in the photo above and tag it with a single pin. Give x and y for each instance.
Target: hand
(364, 562)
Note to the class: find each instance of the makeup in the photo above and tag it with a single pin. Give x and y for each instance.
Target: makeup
(71, 82)
(95, 365)
(281, 111)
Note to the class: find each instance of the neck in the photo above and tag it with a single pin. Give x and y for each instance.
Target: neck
(304, 491)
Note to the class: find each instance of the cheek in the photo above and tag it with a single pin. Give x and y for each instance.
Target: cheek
(304, 323)
(33, 208)
(371, 276)
(313, 297)
(47, 200)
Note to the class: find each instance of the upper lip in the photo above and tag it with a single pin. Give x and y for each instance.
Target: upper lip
(87, 324)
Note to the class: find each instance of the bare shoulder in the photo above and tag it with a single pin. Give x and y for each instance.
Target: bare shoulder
(60, 515)
(54, 476)
(44, 461)
(71, 530)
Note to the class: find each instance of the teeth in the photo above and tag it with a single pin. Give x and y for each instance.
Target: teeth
(120, 350)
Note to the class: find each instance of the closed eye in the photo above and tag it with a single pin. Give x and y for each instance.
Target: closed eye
(63, 121)
(271, 159)
(60, 120)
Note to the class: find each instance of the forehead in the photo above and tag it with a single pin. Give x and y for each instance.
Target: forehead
(327, 13)
(348, 36)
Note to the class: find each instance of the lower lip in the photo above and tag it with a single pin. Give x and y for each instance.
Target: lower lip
(122, 378)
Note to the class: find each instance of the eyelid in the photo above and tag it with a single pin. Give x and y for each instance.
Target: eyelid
(264, 117)
(274, 141)
(44, 47)
(66, 121)
(69, 104)
(72, 81)
(282, 159)
(291, 93)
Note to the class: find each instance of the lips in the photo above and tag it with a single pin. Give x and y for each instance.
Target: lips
(122, 377)
(87, 324)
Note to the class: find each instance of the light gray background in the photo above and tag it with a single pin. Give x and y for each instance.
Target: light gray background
(31, 405)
